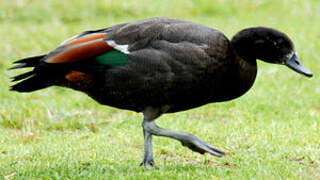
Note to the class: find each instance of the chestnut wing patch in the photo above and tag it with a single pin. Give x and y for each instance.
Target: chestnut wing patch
(79, 49)
(84, 38)
(91, 46)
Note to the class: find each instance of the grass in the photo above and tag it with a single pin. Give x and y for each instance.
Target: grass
(272, 132)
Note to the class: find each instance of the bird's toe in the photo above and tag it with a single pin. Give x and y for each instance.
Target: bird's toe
(148, 164)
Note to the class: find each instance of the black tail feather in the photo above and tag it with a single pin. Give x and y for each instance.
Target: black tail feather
(31, 84)
(30, 59)
(31, 81)
(22, 76)
(22, 65)
(27, 62)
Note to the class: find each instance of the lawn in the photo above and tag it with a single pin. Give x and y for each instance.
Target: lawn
(272, 132)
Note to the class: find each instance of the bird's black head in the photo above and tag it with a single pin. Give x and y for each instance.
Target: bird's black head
(269, 45)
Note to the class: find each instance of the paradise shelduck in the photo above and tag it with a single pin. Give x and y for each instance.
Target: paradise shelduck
(159, 65)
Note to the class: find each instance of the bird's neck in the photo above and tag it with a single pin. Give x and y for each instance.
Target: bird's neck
(238, 80)
(244, 75)
(247, 48)
(246, 71)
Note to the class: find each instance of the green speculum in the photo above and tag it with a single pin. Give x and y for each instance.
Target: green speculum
(112, 58)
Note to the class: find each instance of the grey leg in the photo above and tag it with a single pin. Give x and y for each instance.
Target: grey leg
(147, 160)
(149, 114)
(191, 141)
(150, 128)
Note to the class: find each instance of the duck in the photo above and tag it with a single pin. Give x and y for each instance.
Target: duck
(157, 66)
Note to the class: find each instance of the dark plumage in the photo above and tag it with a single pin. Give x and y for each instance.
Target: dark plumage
(157, 66)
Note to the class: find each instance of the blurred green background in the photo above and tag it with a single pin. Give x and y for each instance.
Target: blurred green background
(272, 132)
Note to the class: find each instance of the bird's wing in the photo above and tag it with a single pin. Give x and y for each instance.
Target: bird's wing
(140, 34)
(87, 45)
(113, 44)
(160, 43)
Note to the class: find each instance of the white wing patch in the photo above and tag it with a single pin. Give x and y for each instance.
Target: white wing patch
(121, 48)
